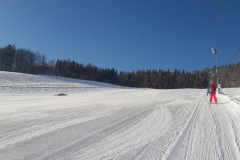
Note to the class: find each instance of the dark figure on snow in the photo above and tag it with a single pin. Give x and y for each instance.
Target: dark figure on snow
(208, 90)
(213, 92)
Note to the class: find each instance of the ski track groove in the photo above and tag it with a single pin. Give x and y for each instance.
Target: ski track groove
(134, 133)
(232, 116)
(140, 151)
(217, 130)
(94, 137)
(163, 141)
(27, 133)
(180, 148)
(222, 120)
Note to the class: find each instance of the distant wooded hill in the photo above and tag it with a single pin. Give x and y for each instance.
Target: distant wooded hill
(26, 61)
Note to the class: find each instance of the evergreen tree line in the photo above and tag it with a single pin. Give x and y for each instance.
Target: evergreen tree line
(25, 61)
(228, 75)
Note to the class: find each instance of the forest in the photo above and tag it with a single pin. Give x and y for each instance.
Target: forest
(25, 61)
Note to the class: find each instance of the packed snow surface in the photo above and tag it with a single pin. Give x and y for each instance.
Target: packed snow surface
(102, 121)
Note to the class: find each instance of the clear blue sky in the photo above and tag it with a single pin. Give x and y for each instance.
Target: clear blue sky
(125, 34)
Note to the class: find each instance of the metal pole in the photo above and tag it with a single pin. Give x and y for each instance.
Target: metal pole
(216, 69)
(217, 74)
(215, 52)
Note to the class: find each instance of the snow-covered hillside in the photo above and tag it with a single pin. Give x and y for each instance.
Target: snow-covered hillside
(102, 121)
(26, 83)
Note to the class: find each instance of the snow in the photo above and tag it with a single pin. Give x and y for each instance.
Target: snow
(103, 121)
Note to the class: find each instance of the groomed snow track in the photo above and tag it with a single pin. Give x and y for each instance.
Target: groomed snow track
(180, 149)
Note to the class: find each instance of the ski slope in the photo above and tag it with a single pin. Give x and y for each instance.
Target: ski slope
(103, 121)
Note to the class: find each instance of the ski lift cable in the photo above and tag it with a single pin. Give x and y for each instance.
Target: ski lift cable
(215, 33)
(233, 56)
(217, 24)
(213, 50)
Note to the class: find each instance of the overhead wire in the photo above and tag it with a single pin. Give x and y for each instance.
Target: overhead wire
(216, 31)
(233, 56)
(217, 23)
(213, 50)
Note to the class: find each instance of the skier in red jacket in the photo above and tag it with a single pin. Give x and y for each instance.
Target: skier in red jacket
(213, 92)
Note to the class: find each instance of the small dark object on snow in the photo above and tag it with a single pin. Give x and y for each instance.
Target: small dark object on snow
(61, 94)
